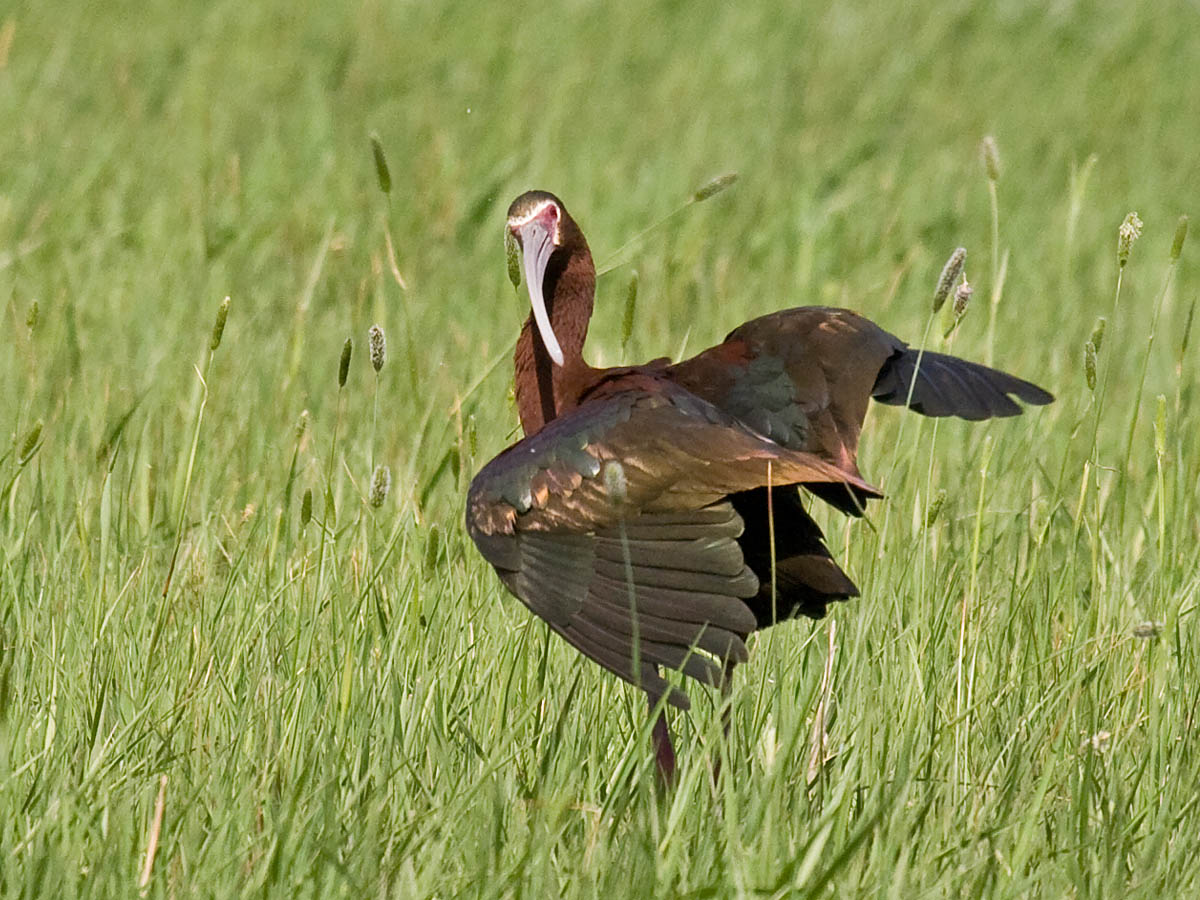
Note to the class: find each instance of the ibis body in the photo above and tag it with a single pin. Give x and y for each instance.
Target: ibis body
(654, 515)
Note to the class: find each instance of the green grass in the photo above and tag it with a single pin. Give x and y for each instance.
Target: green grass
(355, 707)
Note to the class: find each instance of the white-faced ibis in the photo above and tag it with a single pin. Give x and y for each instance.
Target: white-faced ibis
(638, 513)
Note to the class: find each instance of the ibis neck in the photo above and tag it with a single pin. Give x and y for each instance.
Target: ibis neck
(545, 390)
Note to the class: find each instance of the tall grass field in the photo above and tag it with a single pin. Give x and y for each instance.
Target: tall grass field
(246, 646)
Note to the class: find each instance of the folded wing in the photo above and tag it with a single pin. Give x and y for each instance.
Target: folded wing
(804, 377)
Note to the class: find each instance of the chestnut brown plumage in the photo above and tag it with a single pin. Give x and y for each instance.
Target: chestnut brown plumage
(675, 569)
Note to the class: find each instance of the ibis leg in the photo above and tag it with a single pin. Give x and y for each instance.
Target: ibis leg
(664, 752)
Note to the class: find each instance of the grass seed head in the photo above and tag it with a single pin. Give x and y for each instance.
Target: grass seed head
(31, 317)
(306, 508)
(630, 308)
(1180, 237)
(344, 364)
(302, 425)
(432, 546)
(1187, 332)
(991, 158)
(950, 272)
(512, 255)
(1147, 631)
(714, 187)
(935, 508)
(1098, 332)
(1130, 231)
(381, 484)
(30, 445)
(377, 345)
(962, 298)
(219, 325)
(1089, 365)
(381, 166)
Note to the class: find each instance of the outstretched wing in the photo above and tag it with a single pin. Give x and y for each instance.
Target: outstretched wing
(803, 377)
(611, 524)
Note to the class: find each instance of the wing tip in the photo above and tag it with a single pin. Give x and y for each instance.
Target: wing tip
(949, 386)
(675, 697)
(1034, 395)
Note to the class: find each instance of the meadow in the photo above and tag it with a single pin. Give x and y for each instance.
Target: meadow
(228, 667)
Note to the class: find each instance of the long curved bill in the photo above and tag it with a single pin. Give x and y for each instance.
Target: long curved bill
(537, 245)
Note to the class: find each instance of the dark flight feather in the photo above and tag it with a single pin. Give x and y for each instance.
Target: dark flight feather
(948, 386)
